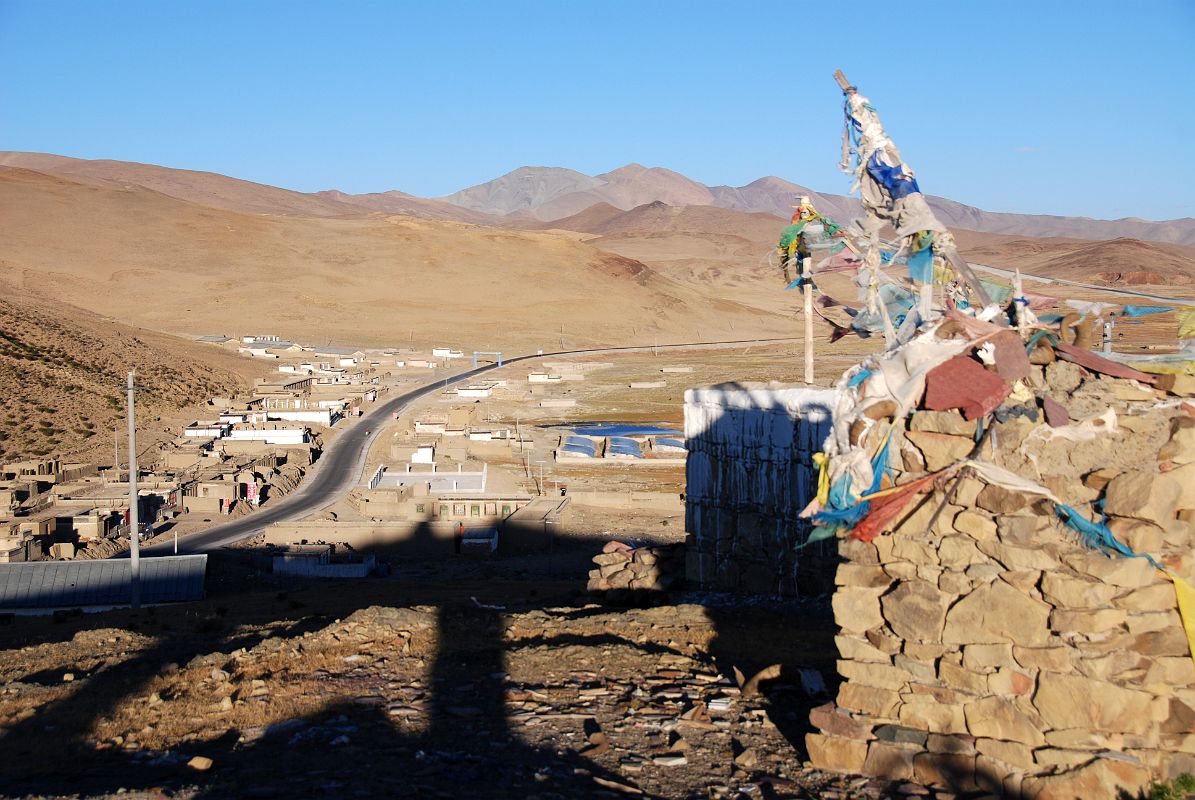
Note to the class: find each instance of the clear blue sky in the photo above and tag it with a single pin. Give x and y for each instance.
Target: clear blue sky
(1043, 107)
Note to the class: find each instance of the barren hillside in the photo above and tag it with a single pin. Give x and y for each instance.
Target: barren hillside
(1117, 262)
(662, 219)
(62, 372)
(153, 260)
(727, 252)
(205, 188)
(731, 252)
(396, 202)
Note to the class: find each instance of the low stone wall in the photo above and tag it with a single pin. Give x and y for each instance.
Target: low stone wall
(983, 646)
(669, 502)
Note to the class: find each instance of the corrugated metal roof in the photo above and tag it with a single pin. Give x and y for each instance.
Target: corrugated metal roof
(102, 582)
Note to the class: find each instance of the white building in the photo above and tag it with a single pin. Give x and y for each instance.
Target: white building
(323, 416)
(281, 436)
(207, 430)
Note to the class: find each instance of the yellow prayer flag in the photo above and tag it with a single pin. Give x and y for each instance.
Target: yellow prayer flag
(1186, 323)
(1186, 608)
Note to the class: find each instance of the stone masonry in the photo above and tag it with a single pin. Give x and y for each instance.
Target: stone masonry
(984, 646)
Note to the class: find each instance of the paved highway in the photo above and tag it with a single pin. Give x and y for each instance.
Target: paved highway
(339, 468)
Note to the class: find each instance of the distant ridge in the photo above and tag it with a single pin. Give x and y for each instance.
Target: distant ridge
(205, 188)
(528, 196)
(553, 193)
(396, 202)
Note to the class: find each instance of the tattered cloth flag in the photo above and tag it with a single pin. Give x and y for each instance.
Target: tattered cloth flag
(886, 184)
(1186, 323)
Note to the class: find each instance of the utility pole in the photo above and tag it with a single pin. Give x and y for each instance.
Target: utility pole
(541, 476)
(116, 450)
(134, 521)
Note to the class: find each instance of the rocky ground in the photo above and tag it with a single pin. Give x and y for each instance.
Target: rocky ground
(486, 684)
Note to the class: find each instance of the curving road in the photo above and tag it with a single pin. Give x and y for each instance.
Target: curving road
(339, 468)
(1008, 273)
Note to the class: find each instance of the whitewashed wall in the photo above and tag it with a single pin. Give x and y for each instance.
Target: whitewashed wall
(749, 474)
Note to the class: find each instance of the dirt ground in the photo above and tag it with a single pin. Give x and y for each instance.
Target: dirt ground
(490, 678)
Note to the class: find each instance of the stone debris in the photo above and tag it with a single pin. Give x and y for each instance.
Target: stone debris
(584, 700)
(643, 569)
(200, 763)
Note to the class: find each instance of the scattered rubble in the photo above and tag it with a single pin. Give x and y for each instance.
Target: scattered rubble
(623, 569)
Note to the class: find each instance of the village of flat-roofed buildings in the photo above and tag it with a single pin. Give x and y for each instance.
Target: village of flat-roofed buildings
(475, 467)
(248, 450)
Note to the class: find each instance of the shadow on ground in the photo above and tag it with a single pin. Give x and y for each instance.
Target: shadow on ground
(468, 747)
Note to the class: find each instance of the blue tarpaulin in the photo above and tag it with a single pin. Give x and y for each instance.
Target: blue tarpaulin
(622, 446)
(579, 445)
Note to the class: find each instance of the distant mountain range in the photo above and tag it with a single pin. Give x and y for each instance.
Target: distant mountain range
(532, 195)
(551, 193)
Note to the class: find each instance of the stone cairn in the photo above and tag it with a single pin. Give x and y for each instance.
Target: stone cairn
(986, 646)
(622, 568)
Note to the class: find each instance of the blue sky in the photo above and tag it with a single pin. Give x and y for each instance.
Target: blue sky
(1050, 107)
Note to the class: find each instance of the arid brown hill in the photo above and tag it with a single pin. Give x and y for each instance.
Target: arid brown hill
(150, 259)
(662, 219)
(396, 202)
(62, 372)
(1118, 262)
(205, 188)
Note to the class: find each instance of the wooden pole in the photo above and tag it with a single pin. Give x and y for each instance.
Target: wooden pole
(807, 291)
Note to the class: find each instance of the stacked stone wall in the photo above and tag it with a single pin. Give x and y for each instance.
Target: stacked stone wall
(985, 646)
